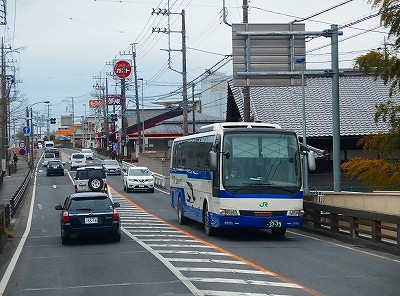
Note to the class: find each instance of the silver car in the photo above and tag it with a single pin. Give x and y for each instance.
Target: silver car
(112, 167)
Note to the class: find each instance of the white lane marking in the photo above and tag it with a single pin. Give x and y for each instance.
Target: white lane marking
(244, 282)
(11, 266)
(176, 272)
(193, 260)
(222, 270)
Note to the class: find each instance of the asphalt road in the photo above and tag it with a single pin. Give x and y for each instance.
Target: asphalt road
(157, 256)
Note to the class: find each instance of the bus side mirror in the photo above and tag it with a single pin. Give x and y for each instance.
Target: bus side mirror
(213, 161)
(311, 160)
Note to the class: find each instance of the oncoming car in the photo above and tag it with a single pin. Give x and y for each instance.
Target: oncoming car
(112, 166)
(89, 214)
(90, 178)
(138, 178)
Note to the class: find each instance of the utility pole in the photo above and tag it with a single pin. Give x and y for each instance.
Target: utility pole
(183, 50)
(246, 89)
(139, 146)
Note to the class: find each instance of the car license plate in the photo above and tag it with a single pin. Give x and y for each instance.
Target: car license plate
(91, 220)
(274, 224)
(141, 185)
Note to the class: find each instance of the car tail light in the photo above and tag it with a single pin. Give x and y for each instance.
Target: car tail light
(105, 186)
(115, 216)
(66, 217)
(76, 187)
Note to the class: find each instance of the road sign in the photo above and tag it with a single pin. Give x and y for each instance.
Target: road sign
(122, 69)
(22, 151)
(26, 130)
(21, 144)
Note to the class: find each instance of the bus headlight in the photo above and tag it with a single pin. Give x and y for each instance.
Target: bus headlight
(295, 213)
(228, 212)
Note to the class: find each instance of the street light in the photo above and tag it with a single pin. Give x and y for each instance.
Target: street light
(302, 60)
(30, 142)
(142, 116)
(84, 128)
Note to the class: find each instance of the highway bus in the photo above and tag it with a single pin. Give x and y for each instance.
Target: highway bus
(266, 191)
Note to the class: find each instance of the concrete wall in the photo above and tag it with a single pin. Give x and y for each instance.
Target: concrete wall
(383, 202)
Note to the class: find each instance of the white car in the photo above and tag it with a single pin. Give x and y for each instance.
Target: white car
(77, 160)
(88, 153)
(47, 157)
(138, 178)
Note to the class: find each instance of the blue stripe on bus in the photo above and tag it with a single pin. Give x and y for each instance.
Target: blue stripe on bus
(227, 194)
(201, 175)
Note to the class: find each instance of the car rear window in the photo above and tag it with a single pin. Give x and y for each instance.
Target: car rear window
(49, 155)
(87, 174)
(94, 204)
(78, 156)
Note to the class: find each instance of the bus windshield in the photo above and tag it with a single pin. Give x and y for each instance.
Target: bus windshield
(261, 162)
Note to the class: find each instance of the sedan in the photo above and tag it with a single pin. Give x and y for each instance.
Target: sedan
(55, 167)
(112, 166)
(89, 214)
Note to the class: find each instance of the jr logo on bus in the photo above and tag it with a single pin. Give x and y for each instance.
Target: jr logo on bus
(264, 204)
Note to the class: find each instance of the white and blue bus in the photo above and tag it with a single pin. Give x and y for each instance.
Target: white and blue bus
(266, 191)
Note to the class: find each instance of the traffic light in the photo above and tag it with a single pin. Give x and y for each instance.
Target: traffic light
(113, 117)
(52, 121)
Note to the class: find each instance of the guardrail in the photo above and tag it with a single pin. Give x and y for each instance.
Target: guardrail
(377, 228)
(159, 180)
(18, 195)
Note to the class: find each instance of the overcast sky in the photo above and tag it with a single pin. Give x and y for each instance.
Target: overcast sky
(63, 45)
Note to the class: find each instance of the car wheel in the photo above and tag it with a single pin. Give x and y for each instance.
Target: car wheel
(181, 217)
(47, 174)
(278, 231)
(95, 184)
(209, 230)
(151, 190)
(124, 187)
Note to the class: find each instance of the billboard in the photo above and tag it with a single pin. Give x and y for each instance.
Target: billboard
(94, 104)
(265, 54)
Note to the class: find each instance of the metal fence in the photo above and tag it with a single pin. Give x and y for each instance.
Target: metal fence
(159, 180)
(373, 227)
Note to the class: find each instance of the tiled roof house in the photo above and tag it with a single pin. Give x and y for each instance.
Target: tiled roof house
(358, 95)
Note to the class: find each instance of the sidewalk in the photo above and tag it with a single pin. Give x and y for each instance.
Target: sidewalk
(12, 183)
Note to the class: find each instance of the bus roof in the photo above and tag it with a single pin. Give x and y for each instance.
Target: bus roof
(224, 125)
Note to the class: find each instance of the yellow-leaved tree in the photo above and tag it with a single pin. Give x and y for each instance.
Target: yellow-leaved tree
(384, 172)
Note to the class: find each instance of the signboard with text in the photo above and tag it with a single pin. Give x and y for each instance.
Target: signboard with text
(114, 100)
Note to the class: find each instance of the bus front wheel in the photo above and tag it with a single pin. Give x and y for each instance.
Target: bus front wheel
(181, 217)
(278, 231)
(207, 224)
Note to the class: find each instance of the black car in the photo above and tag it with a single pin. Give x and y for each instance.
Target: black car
(55, 167)
(88, 214)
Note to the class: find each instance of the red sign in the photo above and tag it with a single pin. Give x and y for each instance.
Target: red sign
(95, 103)
(122, 69)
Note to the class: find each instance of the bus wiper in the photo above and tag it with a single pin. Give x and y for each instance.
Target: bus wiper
(264, 184)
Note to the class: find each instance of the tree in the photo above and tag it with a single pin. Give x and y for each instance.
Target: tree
(383, 63)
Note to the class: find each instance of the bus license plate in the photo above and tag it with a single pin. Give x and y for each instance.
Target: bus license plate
(274, 224)
(91, 220)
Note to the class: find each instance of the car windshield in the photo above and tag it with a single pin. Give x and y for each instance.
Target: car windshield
(139, 172)
(90, 204)
(78, 156)
(110, 162)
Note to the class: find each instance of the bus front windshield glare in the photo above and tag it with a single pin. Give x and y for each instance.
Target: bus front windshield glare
(261, 163)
